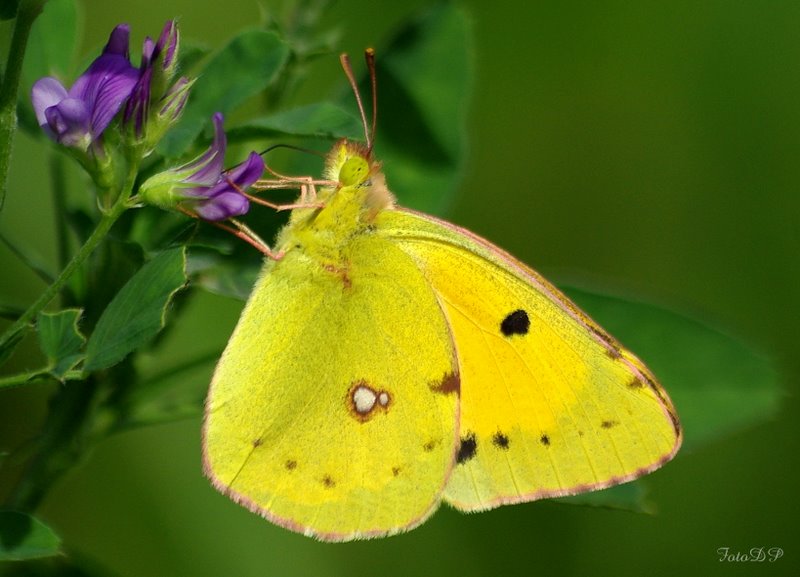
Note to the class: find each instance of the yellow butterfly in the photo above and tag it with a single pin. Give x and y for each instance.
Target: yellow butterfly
(388, 360)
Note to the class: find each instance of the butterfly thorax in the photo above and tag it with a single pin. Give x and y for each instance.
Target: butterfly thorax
(346, 210)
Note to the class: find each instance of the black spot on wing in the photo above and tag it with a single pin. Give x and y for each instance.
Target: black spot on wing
(608, 424)
(396, 471)
(516, 323)
(500, 441)
(544, 440)
(290, 465)
(328, 482)
(467, 448)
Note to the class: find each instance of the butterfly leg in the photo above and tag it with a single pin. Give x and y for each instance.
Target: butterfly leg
(305, 184)
(243, 232)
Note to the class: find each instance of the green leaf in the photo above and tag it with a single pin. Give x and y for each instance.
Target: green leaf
(60, 340)
(718, 384)
(112, 265)
(23, 537)
(247, 65)
(323, 119)
(136, 314)
(424, 83)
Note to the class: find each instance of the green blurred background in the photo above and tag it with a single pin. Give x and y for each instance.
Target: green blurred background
(649, 149)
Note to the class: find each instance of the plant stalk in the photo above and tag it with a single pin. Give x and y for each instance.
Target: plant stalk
(27, 12)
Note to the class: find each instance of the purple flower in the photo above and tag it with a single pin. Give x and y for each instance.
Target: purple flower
(78, 117)
(202, 186)
(158, 65)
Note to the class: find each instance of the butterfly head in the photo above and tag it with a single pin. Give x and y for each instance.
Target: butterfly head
(352, 166)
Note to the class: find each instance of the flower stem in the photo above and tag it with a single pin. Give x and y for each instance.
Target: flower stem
(99, 233)
(27, 12)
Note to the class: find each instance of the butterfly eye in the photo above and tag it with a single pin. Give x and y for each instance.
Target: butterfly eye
(354, 171)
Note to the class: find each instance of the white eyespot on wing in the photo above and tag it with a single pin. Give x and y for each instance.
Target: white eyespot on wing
(364, 399)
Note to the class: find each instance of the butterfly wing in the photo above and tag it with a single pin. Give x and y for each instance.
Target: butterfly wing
(551, 405)
(334, 408)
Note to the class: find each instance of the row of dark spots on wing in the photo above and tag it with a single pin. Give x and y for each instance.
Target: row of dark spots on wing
(467, 449)
(468, 445)
(327, 480)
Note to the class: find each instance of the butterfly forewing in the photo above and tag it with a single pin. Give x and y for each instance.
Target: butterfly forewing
(550, 404)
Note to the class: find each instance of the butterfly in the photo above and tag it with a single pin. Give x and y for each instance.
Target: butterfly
(387, 361)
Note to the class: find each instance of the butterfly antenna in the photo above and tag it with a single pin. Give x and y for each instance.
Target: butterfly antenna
(348, 70)
(369, 56)
(269, 149)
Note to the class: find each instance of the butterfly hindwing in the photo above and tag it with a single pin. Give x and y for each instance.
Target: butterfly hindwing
(550, 404)
(330, 412)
